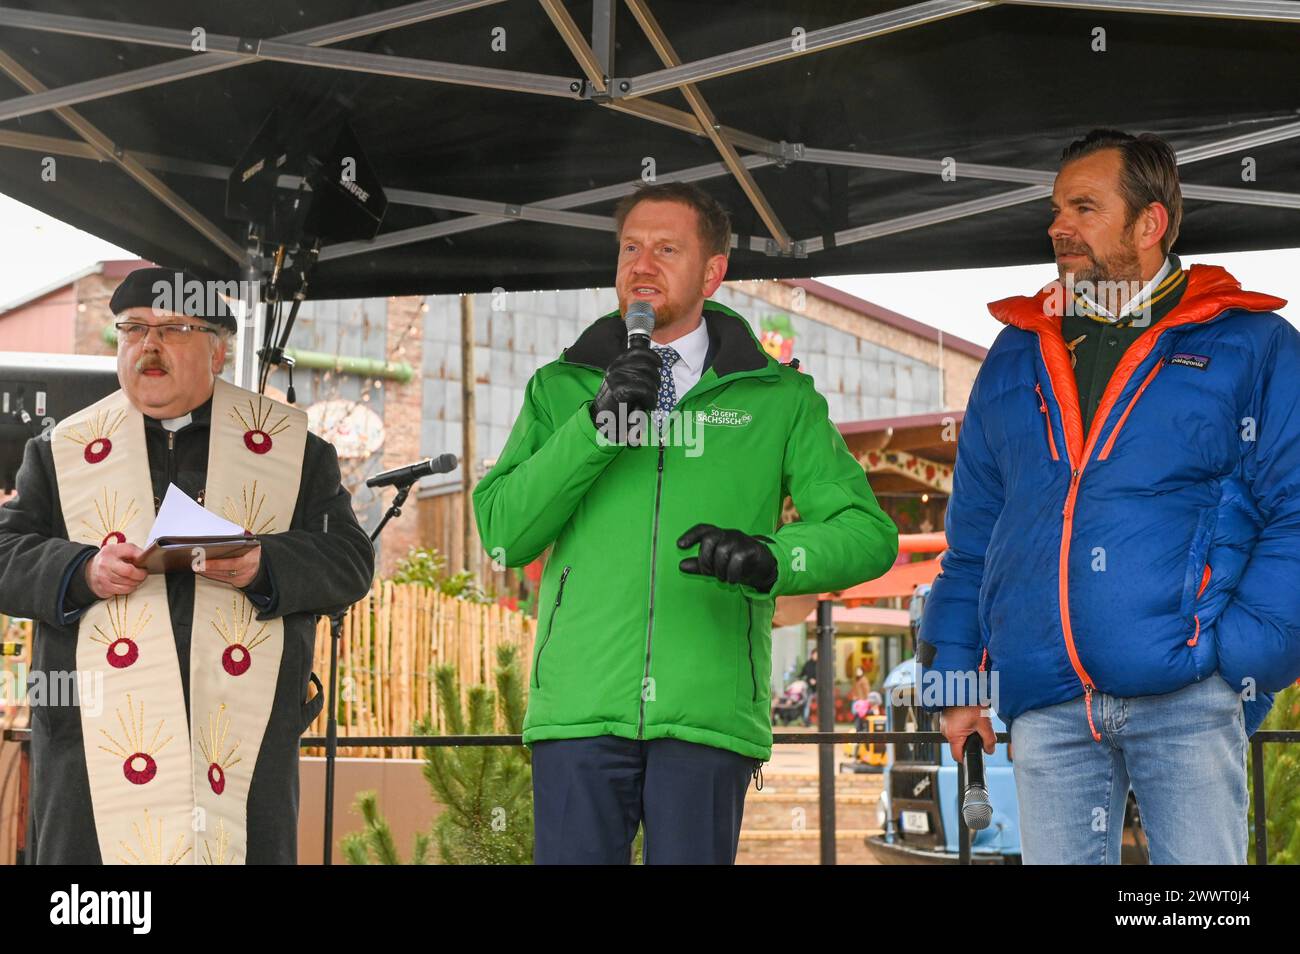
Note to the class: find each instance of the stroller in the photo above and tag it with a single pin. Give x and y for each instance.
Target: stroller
(868, 716)
(789, 707)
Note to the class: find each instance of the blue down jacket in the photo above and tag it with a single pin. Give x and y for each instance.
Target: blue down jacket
(1158, 549)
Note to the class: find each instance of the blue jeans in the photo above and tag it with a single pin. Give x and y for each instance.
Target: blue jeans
(1183, 753)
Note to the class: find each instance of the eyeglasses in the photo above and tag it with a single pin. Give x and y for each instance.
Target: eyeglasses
(135, 332)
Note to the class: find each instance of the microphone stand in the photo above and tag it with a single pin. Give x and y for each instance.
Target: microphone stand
(336, 636)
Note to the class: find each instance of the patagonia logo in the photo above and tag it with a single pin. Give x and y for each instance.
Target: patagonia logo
(1198, 361)
(723, 416)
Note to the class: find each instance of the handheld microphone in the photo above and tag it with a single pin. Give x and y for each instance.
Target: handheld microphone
(975, 807)
(640, 320)
(413, 472)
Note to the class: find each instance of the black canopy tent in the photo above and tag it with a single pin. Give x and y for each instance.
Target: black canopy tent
(504, 131)
(826, 127)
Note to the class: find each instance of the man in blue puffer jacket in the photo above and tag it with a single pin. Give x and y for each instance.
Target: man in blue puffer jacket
(1121, 582)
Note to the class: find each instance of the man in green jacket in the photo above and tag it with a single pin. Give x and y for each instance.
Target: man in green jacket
(649, 698)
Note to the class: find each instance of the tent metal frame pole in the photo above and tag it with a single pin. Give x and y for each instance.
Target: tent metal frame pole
(663, 47)
(113, 30)
(110, 151)
(707, 122)
(683, 121)
(290, 48)
(472, 222)
(1280, 11)
(586, 197)
(845, 236)
(484, 213)
(603, 23)
(702, 115)
(973, 170)
(1226, 147)
(302, 47)
(573, 38)
(142, 78)
(906, 223)
(299, 47)
(1237, 196)
(919, 14)
(204, 63)
(405, 67)
(786, 48)
(1231, 194)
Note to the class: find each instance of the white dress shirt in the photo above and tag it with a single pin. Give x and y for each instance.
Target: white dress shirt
(1135, 302)
(692, 348)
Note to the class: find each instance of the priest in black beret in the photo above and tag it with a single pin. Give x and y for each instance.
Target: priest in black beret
(167, 707)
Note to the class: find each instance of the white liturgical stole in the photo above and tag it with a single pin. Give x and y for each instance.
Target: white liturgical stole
(167, 786)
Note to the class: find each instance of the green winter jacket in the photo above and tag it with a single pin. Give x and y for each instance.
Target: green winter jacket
(627, 644)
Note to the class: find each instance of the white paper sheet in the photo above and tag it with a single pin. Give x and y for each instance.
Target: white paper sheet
(181, 516)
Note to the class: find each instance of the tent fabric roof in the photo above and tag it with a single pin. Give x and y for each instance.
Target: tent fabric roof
(1005, 85)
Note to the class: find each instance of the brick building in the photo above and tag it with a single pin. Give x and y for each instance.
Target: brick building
(382, 378)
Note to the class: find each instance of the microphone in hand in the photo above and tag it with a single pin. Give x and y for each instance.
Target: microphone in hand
(976, 810)
(632, 382)
(730, 556)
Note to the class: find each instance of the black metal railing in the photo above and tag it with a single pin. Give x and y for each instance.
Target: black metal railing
(828, 740)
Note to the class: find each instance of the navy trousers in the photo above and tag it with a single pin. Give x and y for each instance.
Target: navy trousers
(589, 796)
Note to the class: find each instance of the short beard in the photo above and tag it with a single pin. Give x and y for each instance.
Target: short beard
(1105, 277)
(667, 315)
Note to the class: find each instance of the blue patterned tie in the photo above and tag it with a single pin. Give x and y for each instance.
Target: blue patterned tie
(667, 388)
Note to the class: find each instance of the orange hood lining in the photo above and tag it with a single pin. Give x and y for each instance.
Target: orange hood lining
(1210, 291)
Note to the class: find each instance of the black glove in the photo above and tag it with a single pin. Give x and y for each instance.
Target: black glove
(632, 379)
(729, 555)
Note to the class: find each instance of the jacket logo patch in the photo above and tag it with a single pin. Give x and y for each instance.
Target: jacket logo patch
(723, 416)
(1198, 361)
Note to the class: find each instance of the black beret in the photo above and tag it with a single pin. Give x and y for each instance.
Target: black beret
(175, 292)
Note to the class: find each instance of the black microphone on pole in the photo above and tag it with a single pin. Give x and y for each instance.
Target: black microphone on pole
(442, 464)
(975, 807)
(640, 320)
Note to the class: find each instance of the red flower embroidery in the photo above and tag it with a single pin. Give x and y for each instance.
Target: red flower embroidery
(258, 441)
(236, 660)
(97, 450)
(122, 653)
(139, 768)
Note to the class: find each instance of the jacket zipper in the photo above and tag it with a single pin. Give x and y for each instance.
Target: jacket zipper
(1110, 441)
(550, 625)
(1067, 531)
(650, 619)
(1047, 419)
(654, 551)
(1205, 581)
(749, 640)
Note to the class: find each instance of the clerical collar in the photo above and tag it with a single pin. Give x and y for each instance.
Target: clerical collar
(199, 414)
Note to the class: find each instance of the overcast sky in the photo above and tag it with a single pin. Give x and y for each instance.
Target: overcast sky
(38, 250)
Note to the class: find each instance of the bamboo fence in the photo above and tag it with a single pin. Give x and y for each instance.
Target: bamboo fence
(393, 640)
